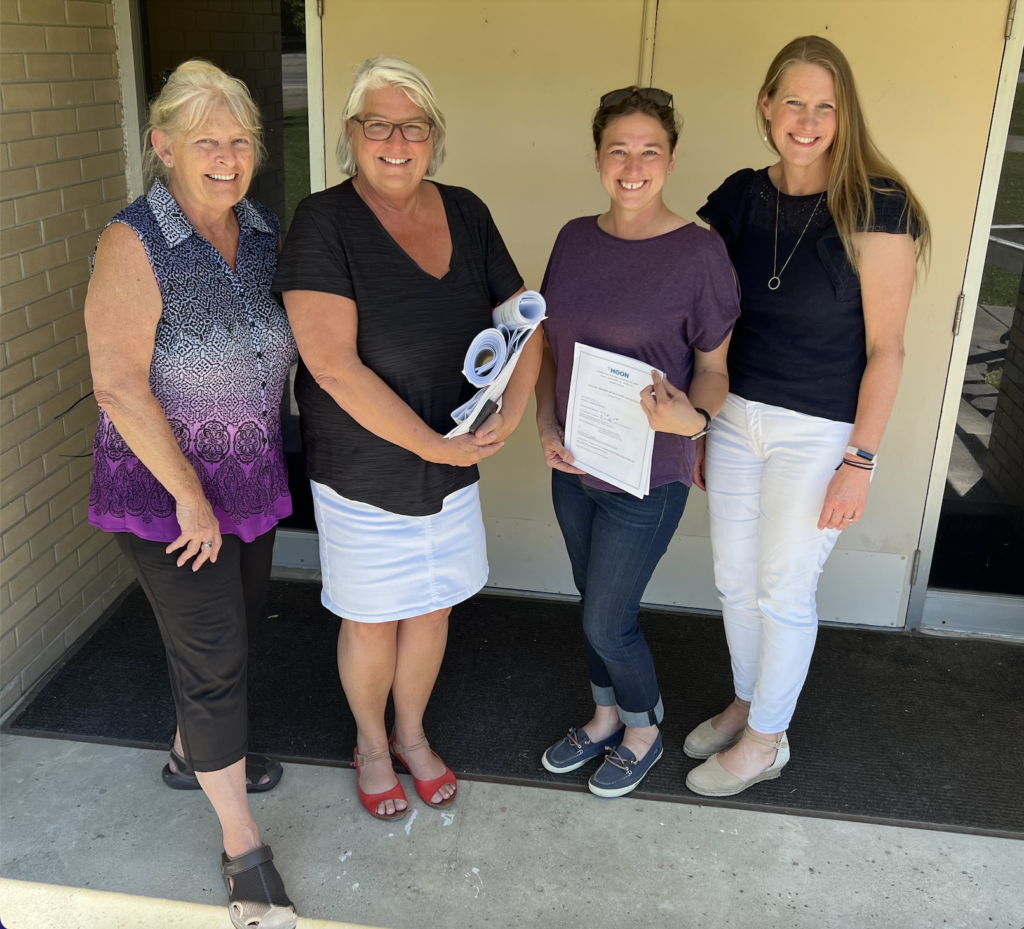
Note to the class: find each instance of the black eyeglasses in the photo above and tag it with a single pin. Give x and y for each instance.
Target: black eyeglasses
(614, 97)
(380, 130)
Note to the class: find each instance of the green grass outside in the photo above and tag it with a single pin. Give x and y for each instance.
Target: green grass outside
(999, 287)
(1017, 116)
(1010, 198)
(296, 160)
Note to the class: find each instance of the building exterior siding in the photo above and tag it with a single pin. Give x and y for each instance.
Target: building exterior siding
(62, 177)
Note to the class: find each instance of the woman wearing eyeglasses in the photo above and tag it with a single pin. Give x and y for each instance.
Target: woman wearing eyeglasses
(643, 282)
(387, 278)
(824, 245)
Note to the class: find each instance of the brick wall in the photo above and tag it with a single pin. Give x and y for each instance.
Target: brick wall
(243, 37)
(61, 179)
(1004, 463)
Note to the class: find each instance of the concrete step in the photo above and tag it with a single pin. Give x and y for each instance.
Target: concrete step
(28, 905)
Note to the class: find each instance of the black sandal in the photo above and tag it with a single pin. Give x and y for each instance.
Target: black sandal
(256, 894)
(256, 768)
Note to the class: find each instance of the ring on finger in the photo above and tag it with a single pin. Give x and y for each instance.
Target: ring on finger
(207, 544)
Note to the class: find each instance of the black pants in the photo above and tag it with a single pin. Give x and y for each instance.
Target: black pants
(205, 619)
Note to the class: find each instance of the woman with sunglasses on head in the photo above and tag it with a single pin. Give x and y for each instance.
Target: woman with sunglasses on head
(387, 278)
(824, 247)
(640, 281)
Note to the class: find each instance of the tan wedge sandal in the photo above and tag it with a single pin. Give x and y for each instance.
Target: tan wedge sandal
(706, 740)
(712, 780)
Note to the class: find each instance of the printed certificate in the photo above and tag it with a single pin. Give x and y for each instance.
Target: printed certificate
(606, 428)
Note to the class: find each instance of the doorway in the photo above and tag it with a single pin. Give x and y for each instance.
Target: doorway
(268, 52)
(976, 578)
(519, 83)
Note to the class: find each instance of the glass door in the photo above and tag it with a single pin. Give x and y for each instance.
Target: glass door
(979, 545)
(269, 54)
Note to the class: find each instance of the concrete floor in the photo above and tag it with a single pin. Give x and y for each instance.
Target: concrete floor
(99, 817)
(30, 905)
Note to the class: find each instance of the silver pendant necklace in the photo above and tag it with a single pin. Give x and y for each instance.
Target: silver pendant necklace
(775, 281)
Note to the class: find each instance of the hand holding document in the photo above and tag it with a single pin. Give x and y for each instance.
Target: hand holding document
(493, 355)
(606, 428)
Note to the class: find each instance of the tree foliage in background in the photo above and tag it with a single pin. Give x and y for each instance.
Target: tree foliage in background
(298, 11)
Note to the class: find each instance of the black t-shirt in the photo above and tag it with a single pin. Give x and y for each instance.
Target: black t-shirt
(801, 347)
(413, 333)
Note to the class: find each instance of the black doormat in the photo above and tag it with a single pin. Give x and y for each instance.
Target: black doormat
(892, 728)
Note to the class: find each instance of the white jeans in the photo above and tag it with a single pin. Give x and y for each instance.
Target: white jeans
(767, 472)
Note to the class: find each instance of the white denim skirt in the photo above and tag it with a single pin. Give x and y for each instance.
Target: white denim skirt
(379, 566)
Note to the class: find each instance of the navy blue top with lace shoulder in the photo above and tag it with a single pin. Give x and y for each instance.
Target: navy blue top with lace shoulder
(222, 353)
(802, 346)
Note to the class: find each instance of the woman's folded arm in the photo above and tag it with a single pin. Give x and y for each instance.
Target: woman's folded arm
(326, 327)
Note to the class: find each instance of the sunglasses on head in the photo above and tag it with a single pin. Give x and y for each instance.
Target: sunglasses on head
(614, 97)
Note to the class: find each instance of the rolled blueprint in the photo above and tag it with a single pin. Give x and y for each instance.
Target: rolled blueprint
(493, 355)
(485, 358)
(525, 309)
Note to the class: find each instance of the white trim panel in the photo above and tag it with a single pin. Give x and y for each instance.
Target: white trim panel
(963, 611)
(862, 588)
(528, 555)
(126, 35)
(297, 548)
(315, 96)
(857, 588)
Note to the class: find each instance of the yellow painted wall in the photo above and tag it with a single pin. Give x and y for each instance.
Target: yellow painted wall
(927, 83)
(518, 82)
(519, 79)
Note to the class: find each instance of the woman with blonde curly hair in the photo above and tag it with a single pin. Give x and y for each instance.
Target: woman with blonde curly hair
(826, 243)
(189, 355)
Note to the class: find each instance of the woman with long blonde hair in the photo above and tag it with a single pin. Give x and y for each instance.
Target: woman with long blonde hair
(826, 243)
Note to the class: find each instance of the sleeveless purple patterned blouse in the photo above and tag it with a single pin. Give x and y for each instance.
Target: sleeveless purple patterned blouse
(223, 349)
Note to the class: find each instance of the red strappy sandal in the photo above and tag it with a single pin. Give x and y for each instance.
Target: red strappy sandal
(426, 789)
(372, 801)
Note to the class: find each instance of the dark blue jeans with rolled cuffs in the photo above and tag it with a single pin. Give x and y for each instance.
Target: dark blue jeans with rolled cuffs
(615, 542)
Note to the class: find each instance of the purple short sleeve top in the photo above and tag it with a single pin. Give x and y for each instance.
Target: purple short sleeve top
(655, 299)
(222, 353)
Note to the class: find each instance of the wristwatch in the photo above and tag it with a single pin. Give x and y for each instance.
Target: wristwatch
(707, 425)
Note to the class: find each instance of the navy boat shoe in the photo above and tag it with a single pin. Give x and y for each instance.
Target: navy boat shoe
(621, 772)
(576, 749)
